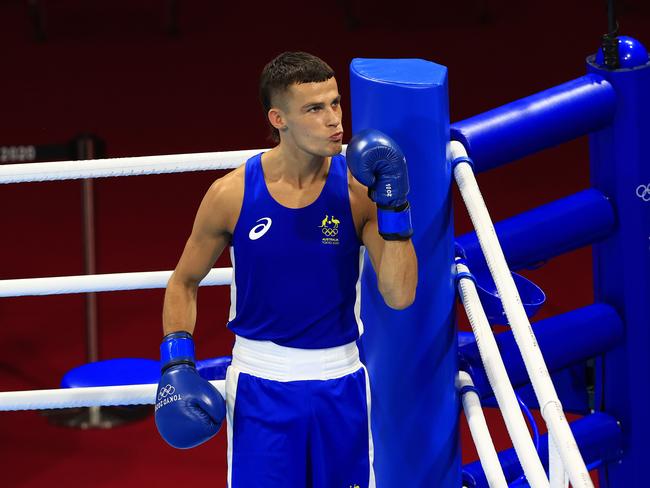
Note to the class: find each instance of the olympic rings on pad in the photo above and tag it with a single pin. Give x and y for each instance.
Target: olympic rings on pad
(643, 192)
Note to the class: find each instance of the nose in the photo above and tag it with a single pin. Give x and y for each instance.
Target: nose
(334, 119)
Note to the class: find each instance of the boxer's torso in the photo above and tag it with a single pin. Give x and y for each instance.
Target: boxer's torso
(296, 269)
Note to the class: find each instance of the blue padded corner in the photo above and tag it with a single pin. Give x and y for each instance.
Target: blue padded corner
(214, 368)
(112, 372)
(134, 371)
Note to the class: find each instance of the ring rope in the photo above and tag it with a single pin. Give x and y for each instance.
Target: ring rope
(556, 470)
(480, 432)
(547, 398)
(499, 381)
(131, 166)
(60, 285)
(94, 396)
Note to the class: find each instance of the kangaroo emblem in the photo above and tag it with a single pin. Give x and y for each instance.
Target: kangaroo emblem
(324, 222)
(329, 227)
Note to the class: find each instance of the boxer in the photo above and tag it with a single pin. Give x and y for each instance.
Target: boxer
(296, 219)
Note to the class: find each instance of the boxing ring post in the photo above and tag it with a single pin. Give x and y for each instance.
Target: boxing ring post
(620, 168)
(412, 354)
(613, 107)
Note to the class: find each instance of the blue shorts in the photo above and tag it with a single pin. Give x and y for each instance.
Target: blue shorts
(298, 418)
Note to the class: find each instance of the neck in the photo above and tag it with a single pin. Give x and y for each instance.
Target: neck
(294, 165)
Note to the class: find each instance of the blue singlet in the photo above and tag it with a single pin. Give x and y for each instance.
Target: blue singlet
(296, 271)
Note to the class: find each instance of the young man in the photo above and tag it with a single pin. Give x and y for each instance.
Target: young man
(297, 395)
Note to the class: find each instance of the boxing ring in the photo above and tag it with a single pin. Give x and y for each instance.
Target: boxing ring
(419, 372)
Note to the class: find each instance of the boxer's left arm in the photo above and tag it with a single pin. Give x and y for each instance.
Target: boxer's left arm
(378, 164)
(395, 262)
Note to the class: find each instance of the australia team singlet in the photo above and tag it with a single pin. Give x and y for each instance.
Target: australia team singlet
(296, 271)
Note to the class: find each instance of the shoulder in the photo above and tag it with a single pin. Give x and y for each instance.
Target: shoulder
(223, 200)
(229, 187)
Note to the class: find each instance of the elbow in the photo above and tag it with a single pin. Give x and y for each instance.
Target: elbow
(398, 289)
(401, 300)
(182, 282)
(401, 304)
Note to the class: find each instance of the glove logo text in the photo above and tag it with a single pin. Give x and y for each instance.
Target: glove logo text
(165, 391)
(167, 395)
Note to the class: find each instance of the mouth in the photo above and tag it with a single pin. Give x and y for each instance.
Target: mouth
(337, 137)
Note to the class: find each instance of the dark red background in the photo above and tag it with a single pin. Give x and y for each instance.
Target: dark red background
(109, 68)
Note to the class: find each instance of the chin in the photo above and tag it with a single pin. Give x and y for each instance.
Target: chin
(324, 151)
(334, 148)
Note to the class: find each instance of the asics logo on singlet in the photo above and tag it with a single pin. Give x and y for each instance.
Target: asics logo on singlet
(260, 229)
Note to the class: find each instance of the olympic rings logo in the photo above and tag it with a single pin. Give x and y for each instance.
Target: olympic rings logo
(643, 192)
(330, 231)
(165, 391)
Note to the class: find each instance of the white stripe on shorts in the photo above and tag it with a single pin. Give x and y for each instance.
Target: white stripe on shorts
(232, 377)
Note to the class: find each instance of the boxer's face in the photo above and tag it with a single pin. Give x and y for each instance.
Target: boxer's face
(311, 116)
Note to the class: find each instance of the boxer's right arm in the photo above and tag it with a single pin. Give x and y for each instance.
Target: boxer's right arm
(210, 235)
(189, 410)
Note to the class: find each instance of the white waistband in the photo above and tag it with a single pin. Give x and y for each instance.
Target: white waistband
(268, 360)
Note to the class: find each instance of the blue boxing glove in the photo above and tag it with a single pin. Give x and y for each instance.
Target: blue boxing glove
(377, 162)
(189, 410)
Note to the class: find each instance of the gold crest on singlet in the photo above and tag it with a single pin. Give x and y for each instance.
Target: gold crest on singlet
(329, 227)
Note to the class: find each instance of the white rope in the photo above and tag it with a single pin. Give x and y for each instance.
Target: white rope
(95, 396)
(60, 285)
(500, 383)
(142, 165)
(547, 398)
(480, 433)
(557, 473)
(133, 166)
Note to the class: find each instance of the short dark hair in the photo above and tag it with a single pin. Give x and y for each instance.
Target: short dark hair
(285, 70)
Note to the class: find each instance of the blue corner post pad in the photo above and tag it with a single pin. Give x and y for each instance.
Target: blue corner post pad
(177, 347)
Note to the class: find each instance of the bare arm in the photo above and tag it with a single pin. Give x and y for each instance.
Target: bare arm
(210, 235)
(395, 262)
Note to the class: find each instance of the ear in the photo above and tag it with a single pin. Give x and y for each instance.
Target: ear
(277, 118)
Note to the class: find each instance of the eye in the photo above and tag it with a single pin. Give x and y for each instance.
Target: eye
(314, 109)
